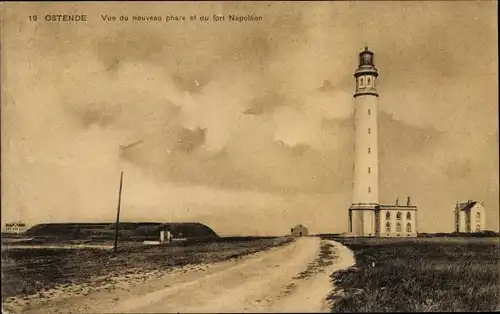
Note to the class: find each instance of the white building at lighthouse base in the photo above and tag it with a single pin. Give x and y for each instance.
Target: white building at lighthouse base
(383, 220)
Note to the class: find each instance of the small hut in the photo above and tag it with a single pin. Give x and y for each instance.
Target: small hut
(299, 231)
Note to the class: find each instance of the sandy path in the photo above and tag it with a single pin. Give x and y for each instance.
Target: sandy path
(263, 282)
(310, 294)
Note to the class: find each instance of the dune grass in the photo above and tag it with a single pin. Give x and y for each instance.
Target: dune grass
(30, 271)
(419, 275)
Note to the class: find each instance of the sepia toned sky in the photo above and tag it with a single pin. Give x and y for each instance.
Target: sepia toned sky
(246, 127)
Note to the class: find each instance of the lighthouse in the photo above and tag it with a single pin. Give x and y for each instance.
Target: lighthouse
(365, 192)
(367, 217)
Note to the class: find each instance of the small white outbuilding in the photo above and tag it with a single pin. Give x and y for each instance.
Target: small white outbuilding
(299, 231)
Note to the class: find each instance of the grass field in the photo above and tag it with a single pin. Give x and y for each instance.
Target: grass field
(31, 271)
(420, 275)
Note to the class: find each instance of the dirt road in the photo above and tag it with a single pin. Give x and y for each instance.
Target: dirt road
(290, 278)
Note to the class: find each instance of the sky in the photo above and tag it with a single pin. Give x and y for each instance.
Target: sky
(246, 127)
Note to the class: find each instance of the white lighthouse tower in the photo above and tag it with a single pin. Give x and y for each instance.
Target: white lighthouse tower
(365, 192)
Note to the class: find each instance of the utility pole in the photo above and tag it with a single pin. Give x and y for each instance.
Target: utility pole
(118, 212)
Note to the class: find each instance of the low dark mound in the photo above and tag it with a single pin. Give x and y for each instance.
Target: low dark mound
(127, 230)
(178, 230)
(64, 229)
(133, 225)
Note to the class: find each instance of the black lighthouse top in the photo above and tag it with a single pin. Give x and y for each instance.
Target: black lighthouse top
(366, 57)
(366, 74)
(366, 64)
